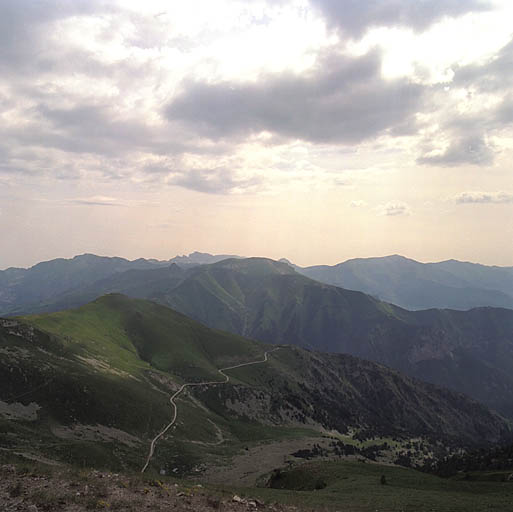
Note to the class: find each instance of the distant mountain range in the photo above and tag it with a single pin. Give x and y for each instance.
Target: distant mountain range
(91, 386)
(413, 285)
(469, 351)
(24, 290)
(395, 279)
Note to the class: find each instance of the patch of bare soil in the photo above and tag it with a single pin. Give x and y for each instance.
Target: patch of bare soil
(18, 411)
(246, 467)
(73, 491)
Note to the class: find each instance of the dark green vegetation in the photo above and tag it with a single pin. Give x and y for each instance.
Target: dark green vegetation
(496, 463)
(358, 487)
(468, 351)
(413, 285)
(91, 386)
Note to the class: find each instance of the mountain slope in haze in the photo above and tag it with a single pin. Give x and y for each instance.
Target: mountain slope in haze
(469, 351)
(50, 285)
(413, 285)
(37, 288)
(93, 384)
(25, 289)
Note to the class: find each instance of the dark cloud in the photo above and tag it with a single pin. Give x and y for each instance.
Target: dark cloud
(94, 129)
(504, 112)
(354, 17)
(484, 197)
(24, 24)
(343, 100)
(467, 149)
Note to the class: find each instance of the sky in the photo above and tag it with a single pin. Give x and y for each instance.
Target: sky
(315, 130)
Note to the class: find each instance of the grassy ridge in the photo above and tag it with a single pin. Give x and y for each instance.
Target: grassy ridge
(129, 333)
(357, 487)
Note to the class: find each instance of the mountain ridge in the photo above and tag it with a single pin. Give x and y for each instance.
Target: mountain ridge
(414, 285)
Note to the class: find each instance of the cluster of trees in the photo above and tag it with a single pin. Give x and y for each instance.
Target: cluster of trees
(485, 459)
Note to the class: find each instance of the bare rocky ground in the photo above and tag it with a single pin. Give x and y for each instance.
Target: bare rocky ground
(65, 490)
(243, 469)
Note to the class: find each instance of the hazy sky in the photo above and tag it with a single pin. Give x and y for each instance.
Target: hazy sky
(315, 130)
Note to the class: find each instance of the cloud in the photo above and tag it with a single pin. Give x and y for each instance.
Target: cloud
(467, 149)
(96, 201)
(484, 197)
(79, 98)
(393, 209)
(99, 129)
(89, 90)
(484, 107)
(357, 204)
(354, 17)
(341, 100)
(492, 76)
(25, 24)
(215, 181)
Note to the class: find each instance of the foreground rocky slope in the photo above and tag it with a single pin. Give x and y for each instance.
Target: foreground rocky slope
(79, 491)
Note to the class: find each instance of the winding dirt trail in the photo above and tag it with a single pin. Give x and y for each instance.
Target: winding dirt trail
(196, 384)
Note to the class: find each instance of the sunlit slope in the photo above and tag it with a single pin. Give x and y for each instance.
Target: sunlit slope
(129, 332)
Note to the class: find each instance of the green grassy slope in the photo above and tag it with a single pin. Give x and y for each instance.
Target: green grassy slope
(357, 486)
(127, 332)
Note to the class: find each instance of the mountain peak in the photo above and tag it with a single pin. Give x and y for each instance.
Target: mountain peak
(256, 266)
